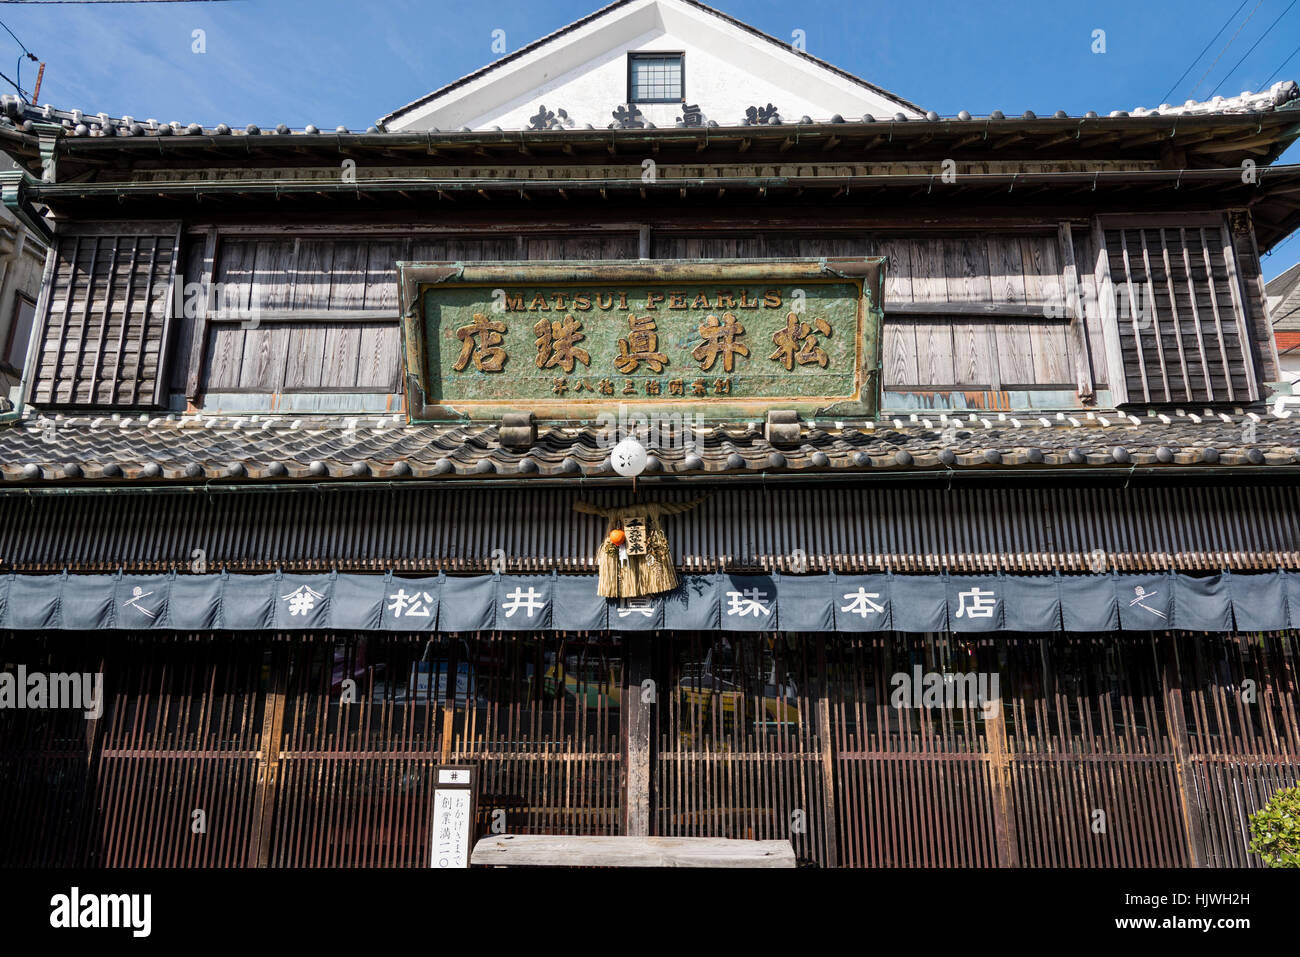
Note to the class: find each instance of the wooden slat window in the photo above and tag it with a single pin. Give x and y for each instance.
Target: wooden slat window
(1179, 323)
(320, 315)
(106, 320)
(304, 316)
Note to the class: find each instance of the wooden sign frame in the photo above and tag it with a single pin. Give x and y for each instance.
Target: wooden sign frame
(454, 796)
(424, 341)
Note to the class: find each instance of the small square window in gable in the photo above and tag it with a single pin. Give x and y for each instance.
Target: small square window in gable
(656, 77)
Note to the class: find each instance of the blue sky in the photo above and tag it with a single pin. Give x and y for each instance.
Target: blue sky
(332, 62)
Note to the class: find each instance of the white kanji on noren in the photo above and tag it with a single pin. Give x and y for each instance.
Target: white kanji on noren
(631, 606)
(861, 604)
(414, 605)
(981, 603)
(530, 601)
(302, 600)
(747, 602)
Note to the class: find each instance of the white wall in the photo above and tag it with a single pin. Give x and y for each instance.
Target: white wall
(1289, 364)
(585, 72)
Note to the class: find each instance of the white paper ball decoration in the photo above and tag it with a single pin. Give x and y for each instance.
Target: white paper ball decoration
(629, 458)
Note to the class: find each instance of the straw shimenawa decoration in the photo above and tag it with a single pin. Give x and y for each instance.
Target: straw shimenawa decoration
(649, 574)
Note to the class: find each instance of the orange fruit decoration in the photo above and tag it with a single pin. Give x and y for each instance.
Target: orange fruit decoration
(617, 536)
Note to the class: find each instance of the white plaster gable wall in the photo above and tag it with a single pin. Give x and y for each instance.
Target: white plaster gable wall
(584, 72)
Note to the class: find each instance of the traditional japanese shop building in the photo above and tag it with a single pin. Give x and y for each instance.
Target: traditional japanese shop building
(960, 514)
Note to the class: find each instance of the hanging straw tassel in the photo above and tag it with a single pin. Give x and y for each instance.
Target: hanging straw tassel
(609, 582)
(657, 575)
(639, 576)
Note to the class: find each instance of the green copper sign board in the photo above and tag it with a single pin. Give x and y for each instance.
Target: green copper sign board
(566, 340)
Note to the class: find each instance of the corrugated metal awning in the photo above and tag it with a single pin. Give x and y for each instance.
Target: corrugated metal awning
(846, 528)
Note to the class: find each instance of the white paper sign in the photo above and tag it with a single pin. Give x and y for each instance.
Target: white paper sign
(451, 826)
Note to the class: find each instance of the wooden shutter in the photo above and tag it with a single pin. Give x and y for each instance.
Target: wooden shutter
(1177, 324)
(107, 318)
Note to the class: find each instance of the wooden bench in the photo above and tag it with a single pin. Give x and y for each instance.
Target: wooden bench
(544, 850)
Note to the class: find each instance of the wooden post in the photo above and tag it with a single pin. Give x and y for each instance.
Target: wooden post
(1077, 311)
(823, 690)
(640, 696)
(1107, 313)
(1176, 724)
(208, 284)
(995, 734)
(448, 703)
(268, 762)
(89, 856)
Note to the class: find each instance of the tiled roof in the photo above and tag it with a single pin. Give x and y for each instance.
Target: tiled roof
(195, 449)
(18, 114)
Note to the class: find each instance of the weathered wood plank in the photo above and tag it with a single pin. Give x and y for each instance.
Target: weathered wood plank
(311, 291)
(966, 275)
(1257, 300)
(1052, 359)
(1106, 290)
(266, 347)
(1236, 291)
(928, 281)
(342, 349)
(381, 277)
(543, 850)
(1086, 258)
(936, 352)
(378, 354)
(1007, 285)
(989, 310)
(204, 274)
(635, 727)
(306, 357)
(348, 289)
(1077, 330)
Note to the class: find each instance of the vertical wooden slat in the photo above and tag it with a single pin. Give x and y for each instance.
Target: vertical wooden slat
(1149, 286)
(1218, 317)
(1109, 318)
(1141, 363)
(174, 292)
(198, 343)
(1175, 719)
(1237, 292)
(1077, 330)
(268, 771)
(1173, 314)
(1196, 316)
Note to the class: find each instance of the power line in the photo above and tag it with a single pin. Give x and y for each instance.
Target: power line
(1165, 98)
(19, 65)
(14, 85)
(1252, 47)
(29, 53)
(1211, 67)
(1280, 68)
(1282, 243)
